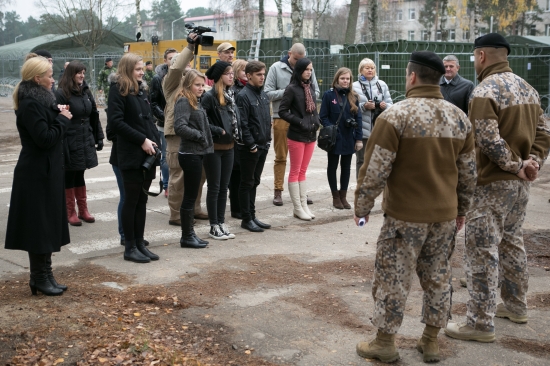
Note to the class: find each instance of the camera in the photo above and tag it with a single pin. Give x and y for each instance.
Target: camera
(151, 159)
(377, 104)
(352, 123)
(207, 41)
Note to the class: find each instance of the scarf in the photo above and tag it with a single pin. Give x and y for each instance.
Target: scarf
(310, 104)
(230, 103)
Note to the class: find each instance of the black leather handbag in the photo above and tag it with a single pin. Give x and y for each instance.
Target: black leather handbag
(327, 135)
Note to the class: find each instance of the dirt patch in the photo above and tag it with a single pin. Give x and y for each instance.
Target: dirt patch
(459, 309)
(538, 301)
(537, 245)
(530, 346)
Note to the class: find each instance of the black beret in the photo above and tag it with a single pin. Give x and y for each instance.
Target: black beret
(43, 53)
(215, 71)
(493, 40)
(149, 63)
(428, 59)
(108, 59)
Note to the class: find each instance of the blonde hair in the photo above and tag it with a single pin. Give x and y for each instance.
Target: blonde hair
(185, 87)
(238, 66)
(35, 66)
(352, 96)
(220, 87)
(127, 84)
(364, 62)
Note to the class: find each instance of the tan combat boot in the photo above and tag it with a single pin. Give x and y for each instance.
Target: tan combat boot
(427, 344)
(382, 348)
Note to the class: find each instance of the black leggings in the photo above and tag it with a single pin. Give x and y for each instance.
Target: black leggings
(74, 178)
(191, 165)
(345, 167)
(134, 208)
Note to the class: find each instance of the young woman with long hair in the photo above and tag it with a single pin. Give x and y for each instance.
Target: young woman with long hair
(342, 98)
(191, 124)
(223, 116)
(298, 107)
(130, 119)
(37, 219)
(83, 137)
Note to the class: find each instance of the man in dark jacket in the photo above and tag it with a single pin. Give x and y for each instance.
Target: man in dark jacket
(455, 88)
(253, 106)
(158, 102)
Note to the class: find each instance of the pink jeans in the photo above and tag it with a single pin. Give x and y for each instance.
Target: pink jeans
(300, 155)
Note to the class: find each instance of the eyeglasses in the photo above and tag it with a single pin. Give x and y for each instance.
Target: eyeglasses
(229, 73)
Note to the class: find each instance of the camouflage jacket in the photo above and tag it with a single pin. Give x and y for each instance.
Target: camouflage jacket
(422, 155)
(148, 76)
(509, 124)
(102, 78)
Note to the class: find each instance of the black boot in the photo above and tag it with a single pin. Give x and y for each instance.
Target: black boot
(131, 253)
(188, 237)
(39, 276)
(50, 274)
(140, 245)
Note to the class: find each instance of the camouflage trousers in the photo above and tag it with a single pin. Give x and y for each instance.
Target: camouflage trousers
(402, 249)
(495, 255)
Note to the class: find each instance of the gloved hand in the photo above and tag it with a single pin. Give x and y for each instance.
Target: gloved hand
(358, 145)
(99, 145)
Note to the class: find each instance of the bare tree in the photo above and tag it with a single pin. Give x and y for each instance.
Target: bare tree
(297, 16)
(279, 4)
(318, 7)
(352, 22)
(82, 20)
(261, 15)
(138, 16)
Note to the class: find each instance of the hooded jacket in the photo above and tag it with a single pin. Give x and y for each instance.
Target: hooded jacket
(278, 79)
(372, 89)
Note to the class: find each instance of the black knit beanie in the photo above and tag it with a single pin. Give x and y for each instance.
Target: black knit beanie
(216, 71)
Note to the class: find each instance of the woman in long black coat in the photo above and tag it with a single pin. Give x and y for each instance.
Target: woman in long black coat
(83, 134)
(37, 221)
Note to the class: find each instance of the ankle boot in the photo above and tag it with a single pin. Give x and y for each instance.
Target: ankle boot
(304, 200)
(188, 237)
(427, 344)
(277, 197)
(71, 212)
(83, 214)
(140, 245)
(336, 202)
(294, 191)
(131, 253)
(39, 276)
(345, 202)
(50, 274)
(382, 348)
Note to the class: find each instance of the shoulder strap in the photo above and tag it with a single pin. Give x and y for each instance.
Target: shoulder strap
(380, 89)
(342, 110)
(365, 91)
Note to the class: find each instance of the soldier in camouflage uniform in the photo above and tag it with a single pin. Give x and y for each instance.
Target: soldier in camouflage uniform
(149, 73)
(103, 83)
(421, 154)
(511, 133)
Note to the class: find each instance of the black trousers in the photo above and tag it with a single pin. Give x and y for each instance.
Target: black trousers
(74, 178)
(345, 169)
(218, 167)
(134, 209)
(235, 183)
(252, 166)
(191, 165)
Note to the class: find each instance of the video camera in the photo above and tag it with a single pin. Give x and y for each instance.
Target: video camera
(207, 41)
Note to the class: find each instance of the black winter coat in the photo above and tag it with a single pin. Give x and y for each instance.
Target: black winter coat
(130, 119)
(237, 87)
(303, 126)
(81, 137)
(255, 115)
(192, 126)
(219, 117)
(156, 95)
(37, 220)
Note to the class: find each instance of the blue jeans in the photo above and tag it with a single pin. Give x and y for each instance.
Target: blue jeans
(163, 165)
(120, 184)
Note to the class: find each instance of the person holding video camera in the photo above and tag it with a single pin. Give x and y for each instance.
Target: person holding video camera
(374, 98)
(129, 117)
(340, 107)
(191, 125)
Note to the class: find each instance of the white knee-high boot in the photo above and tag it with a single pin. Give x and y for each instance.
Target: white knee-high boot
(303, 198)
(294, 190)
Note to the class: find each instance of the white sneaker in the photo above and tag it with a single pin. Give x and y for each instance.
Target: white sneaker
(225, 230)
(217, 233)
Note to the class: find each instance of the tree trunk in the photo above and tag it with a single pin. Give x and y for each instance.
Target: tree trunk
(297, 8)
(138, 15)
(279, 4)
(352, 22)
(261, 14)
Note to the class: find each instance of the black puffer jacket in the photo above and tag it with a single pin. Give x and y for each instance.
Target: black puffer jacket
(156, 95)
(130, 118)
(219, 117)
(84, 131)
(255, 117)
(303, 126)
